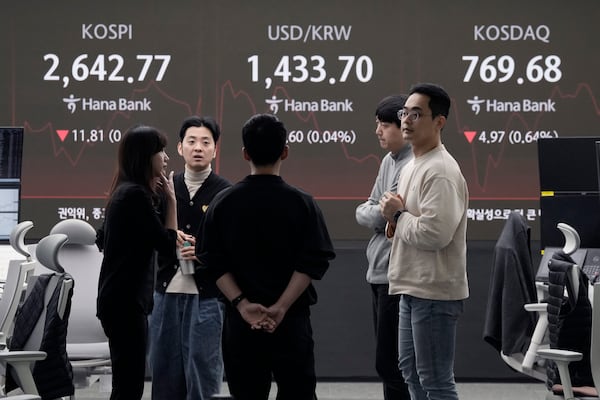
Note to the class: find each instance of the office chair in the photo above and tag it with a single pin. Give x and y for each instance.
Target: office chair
(574, 323)
(17, 274)
(87, 344)
(515, 322)
(16, 277)
(40, 327)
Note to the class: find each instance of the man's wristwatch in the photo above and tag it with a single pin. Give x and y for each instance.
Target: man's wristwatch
(397, 215)
(237, 300)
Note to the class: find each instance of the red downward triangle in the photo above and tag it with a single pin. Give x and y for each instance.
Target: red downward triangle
(470, 135)
(62, 134)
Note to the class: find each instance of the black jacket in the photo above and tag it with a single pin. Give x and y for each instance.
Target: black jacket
(131, 234)
(508, 326)
(190, 213)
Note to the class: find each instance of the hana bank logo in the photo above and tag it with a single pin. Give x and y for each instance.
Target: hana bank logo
(319, 105)
(71, 103)
(475, 104)
(500, 106)
(273, 103)
(119, 104)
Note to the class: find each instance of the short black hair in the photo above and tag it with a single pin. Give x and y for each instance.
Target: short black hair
(264, 137)
(439, 101)
(207, 122)
(388, 107)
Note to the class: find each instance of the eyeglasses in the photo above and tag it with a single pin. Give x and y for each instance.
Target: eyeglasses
(412, 115)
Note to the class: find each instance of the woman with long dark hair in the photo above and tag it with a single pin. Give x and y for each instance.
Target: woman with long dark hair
(132, 233)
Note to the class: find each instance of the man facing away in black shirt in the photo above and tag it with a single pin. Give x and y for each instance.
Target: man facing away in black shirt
(264, 241)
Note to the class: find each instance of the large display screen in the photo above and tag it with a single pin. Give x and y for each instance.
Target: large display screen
(76, 75)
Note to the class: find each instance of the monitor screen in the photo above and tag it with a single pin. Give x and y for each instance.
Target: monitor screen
(78, 77)
(580, 211)
(570, 189)
(11, 149)
(568, 164)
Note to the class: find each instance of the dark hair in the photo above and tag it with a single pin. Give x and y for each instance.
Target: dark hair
(134, 164)
(264, 137)
(439, 101)
(207, 122)
(387, 109)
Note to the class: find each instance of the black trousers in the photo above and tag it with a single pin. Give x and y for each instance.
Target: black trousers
(127, 339)
(385, 319)
(254, 358)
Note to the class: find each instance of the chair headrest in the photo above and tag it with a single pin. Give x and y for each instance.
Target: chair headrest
(572, 239)
(78, 231)
(47, 249)
(17, 238)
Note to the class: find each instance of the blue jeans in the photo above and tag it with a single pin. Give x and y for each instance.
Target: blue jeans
(185, 347)
(426, 344)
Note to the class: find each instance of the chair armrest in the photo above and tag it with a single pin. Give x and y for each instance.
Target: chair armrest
(536, 307)
(562, 358)
(20, 356)
(21, 363)
(560, 355)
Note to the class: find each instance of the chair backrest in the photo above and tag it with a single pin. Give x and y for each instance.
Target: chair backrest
(14, 286)
(47, 255)
(82, 260)
(42, 320)
(569, 317)
(16, 277)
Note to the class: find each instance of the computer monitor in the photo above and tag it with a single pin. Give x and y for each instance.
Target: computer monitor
(580, 211)
(11, 153)
(568, 164)
(570, 189)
